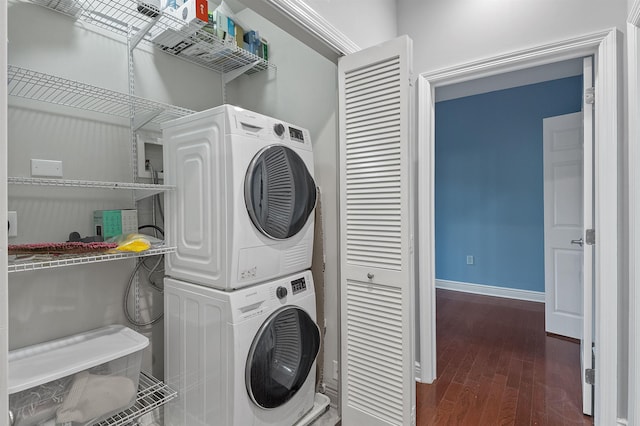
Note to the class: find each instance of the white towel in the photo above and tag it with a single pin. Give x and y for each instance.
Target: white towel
(92, 396)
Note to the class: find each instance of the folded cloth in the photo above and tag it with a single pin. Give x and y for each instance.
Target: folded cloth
(92, 396)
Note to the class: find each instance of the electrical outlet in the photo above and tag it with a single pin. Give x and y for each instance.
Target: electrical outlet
(470, 260)
(335, 370)
(13, 224)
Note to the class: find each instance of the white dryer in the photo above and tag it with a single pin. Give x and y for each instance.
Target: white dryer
(242, 211)
(242, 358)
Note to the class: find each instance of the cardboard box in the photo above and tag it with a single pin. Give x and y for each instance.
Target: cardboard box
(110, 223)
(194, 13)
(187, 20)
(263, 49)
(222, 24)
(239, 36)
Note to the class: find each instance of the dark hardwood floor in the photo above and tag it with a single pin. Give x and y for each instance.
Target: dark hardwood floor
(497, 366)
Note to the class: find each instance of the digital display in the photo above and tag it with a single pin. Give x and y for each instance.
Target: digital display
(298, 285)
(296, 134)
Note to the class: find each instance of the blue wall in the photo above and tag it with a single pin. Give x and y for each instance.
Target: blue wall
(489, 183)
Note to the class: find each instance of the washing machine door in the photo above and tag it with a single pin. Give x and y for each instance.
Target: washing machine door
(279, 192)
(281, 357)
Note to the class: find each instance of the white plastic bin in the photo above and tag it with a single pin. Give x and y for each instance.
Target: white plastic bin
(75, 380)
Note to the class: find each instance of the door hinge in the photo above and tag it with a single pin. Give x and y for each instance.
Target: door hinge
(590, 237)
(590, 376)
(590, 95)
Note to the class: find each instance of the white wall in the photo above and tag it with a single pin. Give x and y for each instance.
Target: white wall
(303, 91)
(365, 22)
(452, 32)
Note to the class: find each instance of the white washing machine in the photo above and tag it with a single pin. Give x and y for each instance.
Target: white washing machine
(242, 358)
(242, 211)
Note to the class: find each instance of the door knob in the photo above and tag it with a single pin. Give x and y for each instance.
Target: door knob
(370, 275)
(579, 242)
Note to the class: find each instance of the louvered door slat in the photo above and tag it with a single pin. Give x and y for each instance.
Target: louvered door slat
(382, 149)
(366, 124)
(382, 137)
(371, 84)
(381, 97)
(357, 76)
(372, 181)
(380, 235)
(378, 111)
(380, 195)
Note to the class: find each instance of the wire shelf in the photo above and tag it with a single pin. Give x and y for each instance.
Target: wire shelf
(37, 262)
(29, 84)
(88, 184)
(152, 393)
(188, 41)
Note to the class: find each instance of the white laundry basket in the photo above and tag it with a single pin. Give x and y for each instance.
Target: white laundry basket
(80, 379)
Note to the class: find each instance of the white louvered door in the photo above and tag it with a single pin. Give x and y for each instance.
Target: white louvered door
(377, 285)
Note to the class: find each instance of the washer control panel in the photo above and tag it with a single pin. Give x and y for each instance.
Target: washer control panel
(298, 285)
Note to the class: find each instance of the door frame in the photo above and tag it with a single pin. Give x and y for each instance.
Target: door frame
(603, 46)
(633, 82)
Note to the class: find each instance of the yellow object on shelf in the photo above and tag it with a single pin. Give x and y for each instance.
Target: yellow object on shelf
(133, 243)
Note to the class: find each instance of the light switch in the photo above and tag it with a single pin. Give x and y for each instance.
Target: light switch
(49, 168)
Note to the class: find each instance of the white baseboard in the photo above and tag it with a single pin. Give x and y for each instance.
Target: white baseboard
(419, 375)
(490, 290)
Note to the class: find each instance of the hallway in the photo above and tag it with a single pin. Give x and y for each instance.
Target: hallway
(497, 366)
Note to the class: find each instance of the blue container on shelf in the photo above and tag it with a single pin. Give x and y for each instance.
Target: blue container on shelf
(252, 41)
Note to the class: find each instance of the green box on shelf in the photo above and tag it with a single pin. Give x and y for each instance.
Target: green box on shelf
(110, 223)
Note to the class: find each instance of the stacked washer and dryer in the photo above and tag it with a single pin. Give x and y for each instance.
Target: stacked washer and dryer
(240, 329)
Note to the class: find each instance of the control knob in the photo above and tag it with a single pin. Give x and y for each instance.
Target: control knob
(281, 292)
(278, 129)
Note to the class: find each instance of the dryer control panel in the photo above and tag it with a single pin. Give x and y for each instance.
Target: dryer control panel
(296, 134)
(298, 285)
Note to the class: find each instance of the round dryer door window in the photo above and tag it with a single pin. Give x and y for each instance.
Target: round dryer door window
(279, 192)
(281, 357)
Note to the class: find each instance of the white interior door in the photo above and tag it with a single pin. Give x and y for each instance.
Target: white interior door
(563, 229)
(377, 282)
(569, 221)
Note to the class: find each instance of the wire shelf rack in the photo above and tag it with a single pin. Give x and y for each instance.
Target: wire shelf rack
(35, 262)
(34, 85)
(88, 184)
(170, 34)
(152, 393)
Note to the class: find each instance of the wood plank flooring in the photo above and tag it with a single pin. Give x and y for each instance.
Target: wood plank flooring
(497, 366)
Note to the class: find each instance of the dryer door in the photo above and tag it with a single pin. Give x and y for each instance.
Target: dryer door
(281, 357)
(279, 192)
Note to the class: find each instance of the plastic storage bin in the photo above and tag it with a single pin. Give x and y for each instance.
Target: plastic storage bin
(77, 380)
